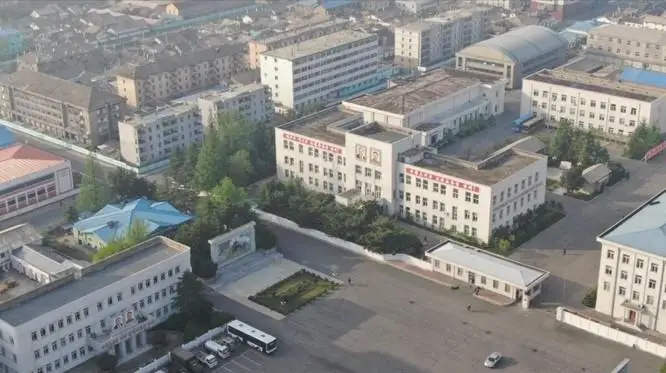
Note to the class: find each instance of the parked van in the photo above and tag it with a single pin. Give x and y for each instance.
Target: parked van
(222, 351)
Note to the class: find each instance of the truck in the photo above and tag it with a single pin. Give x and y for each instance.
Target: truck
(208, 360)
(186, 360)
(527, 123)
(221, 350)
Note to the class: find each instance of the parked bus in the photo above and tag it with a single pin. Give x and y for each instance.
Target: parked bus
(527, 123)
(252, 337)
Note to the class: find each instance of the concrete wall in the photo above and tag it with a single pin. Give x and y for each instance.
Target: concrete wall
(609, 332)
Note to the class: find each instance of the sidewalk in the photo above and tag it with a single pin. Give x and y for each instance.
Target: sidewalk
(494, 298)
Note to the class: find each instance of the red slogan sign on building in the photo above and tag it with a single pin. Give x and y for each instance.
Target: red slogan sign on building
(442, 180)
(312, 143)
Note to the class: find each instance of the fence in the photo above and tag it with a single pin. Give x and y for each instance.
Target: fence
(100, 157)
(164, 360)
(346, 245)
(609, 332)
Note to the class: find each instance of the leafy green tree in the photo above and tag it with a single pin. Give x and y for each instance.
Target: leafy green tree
(560, 144)
(177, 162)
(137, 233)
(71, 214)
(94, 193)
(126, 185)
(190, 299)
(643, 139)
(572, 179)
(240, 168)
(183, 198)
(211, 161)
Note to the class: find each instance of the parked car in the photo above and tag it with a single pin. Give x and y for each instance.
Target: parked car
(492, 360)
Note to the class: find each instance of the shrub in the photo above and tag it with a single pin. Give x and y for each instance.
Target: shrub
(590, 299)
(107, 362)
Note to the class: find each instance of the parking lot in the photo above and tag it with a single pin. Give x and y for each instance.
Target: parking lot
(245, 361)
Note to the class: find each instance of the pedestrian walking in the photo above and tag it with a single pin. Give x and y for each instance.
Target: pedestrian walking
(349, 280)
(469, 307)
(564, 251)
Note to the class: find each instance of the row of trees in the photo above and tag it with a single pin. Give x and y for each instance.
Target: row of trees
(643, 139)
(136, 234)
(363, 223)
(526, 225)
(232, 147)
(580, 148)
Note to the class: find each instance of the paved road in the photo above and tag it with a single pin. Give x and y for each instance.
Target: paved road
(577, 232)
(390, 321)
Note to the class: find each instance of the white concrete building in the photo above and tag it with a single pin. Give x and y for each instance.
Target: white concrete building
(482, 269)
(55, 324)
(593, 102)
(429, 41)
(417, 6)
(321, 70)
(505, 4)
(632, 288)
(379, 146)
(152, 136)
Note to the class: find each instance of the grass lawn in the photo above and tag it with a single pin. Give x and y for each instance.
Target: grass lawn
(294, 292)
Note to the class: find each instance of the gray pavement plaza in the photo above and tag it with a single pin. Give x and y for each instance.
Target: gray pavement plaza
(390, 321)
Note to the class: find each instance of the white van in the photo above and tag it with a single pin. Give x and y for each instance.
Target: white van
(220, 350)
(209, 360)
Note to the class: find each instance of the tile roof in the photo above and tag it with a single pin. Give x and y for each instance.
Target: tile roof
(58, 89)
(172, 63)
(21, 160)
(643, 229)
(488, 264)
(114, 220)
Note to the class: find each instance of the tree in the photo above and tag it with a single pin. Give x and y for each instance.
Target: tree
(93, 194)
(107, 362)
(183, 198)
(177, 162)
(71, 214)
(572, 179)
(560, 144)
(211, 161)
(137, 233)
(126, 185)
(190, 300)
(240, 168)
(643, 139)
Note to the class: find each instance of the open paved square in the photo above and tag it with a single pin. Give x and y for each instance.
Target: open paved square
(390, 321)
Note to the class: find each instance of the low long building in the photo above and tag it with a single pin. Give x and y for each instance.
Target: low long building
(515, 54)
(30, 176)
(592, 102)
(57, 316)
(381, 147)
(638, 47)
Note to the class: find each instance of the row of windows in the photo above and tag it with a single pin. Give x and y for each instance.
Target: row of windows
(314, 152)
(500, 212)
(448, 268)
(435, 222)
(626, 259)
(438, 188)
(509, 191)
(581, 113)
(583, 101)
(76, 316)
(438, 206)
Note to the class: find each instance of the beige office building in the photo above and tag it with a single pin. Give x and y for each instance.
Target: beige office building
(60, 108)
(381, 147)
(153, 135)
(436, 39)
(632, 287)
(515, 54)
(291, 37)
(638, 47)
(593, 103)
(174, 76)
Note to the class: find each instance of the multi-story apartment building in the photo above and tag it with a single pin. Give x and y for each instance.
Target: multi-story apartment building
(381, 146)
(655, 22)
(251, 101)
(153, 135)
(60, 315)
(60, 108)
(429, 41)
(593, 103)
(643, 47)
(563, 9)
(417, 6)
(631, 288)
(291, 37)
(321, 70)
(174, 76)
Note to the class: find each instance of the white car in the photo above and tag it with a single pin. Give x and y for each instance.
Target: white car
(492, 360)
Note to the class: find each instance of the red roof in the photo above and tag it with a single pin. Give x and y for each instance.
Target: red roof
(22, 160)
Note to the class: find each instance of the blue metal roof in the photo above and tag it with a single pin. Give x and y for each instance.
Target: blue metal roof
(584, 26)
(113, 221)
(645, 77)
(571, 36)
(7, 138)
(644, 229)
(332, 4)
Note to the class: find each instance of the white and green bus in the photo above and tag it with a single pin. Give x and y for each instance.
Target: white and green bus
(252, 337)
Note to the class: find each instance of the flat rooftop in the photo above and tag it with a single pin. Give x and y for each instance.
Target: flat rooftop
(56, 294)
(379, 133)
(600, 85)
(150, 116)
(320, 44)
(313, 27)
(643, 229)
(488, 264)
(627, 33)
(495, 168)
(409, 95)
(326, 125)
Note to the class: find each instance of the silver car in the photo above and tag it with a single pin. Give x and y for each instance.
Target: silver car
(492, 360)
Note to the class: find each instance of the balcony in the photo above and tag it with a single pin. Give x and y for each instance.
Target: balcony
(124, 326)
